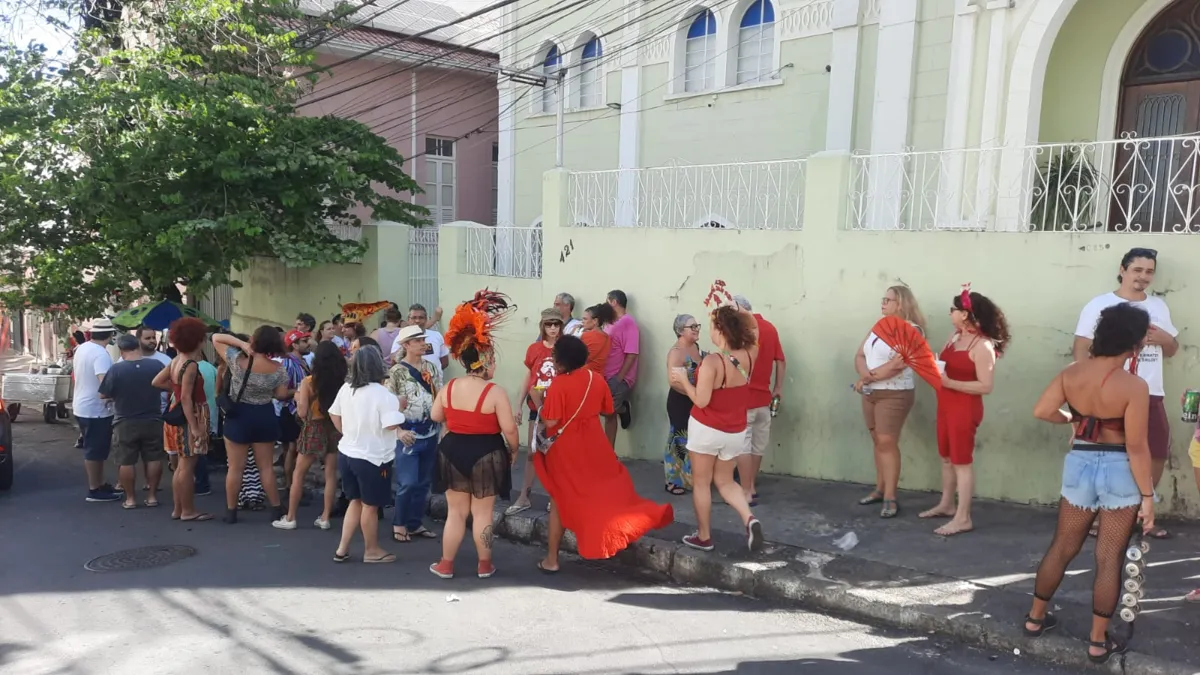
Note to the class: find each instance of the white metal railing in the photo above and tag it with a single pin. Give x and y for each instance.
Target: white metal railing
(745, 196)
(504, 251)
(1131, 185)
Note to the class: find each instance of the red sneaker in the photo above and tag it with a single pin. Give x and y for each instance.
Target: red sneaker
(443, 568)
(693, 540)
(486, 569)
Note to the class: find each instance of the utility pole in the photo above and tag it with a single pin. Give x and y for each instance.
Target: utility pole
(558, 122)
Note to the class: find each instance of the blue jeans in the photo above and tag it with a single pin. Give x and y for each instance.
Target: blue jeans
(414, 476)
(202, 482)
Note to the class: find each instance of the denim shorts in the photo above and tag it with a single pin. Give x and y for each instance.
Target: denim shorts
(1099, 480)
(249, 423)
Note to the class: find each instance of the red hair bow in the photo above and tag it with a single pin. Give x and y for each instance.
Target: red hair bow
(964, 298)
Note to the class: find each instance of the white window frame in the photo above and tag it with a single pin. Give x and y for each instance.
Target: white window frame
(547, 102)
(700, 55)
(589, 89)
(440, 154)
(756, 67)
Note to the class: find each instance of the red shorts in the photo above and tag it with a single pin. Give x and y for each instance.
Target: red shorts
(958, 416)
(1158, 430)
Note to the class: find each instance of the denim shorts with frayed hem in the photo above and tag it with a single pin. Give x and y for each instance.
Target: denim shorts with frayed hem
(1099, 480)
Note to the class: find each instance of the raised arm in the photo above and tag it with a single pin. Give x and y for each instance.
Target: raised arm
(221, 342)
(163, 379)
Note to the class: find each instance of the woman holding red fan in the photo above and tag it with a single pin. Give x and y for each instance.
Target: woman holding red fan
(968, 367)
(889, 388)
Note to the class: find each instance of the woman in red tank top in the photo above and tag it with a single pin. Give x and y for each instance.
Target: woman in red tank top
(475, 457)
(968, 366)
(717, 426)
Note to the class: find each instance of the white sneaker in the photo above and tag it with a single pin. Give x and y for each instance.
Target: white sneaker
(284, 524)
(320, 523)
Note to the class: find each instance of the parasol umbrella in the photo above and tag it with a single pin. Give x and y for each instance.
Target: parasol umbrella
(159, 315)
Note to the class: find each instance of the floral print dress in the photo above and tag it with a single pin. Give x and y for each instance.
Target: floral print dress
(677, 467)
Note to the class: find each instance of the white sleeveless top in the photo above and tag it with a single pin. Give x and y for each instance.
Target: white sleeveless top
(878, 353)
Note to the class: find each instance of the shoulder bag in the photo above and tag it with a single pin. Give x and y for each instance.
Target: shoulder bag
(224, 401)
(542, 442)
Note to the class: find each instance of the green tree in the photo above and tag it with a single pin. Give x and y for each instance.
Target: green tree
(165, 149)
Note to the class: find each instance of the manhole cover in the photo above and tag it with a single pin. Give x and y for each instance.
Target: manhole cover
(140, 558)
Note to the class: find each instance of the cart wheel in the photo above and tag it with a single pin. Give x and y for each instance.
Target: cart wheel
(50, 412)
(14, 409)
(63, 413)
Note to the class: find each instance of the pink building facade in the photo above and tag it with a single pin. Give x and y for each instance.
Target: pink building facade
(434, 102)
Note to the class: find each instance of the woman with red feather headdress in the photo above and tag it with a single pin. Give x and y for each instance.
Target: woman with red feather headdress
(885, 364)
(968, 364)
(476, 455)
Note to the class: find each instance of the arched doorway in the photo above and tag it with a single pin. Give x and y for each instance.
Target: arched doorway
(1156, 181)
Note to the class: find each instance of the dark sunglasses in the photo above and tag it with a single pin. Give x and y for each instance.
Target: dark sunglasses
(1142, 253)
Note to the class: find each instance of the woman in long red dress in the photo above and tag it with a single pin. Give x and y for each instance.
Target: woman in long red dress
(590, 490)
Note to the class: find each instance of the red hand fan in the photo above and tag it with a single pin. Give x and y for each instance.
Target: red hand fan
(906, 340)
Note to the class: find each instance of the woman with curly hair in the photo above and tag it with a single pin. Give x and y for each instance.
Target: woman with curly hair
(591, 492)
(1107, 475)
(968, 371)
(318, 437)
(717, 426)
(476, 455)
(189, 442)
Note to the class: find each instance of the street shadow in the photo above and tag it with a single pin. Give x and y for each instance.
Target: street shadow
(691, 600)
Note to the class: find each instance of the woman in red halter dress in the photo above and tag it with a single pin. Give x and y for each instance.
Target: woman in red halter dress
(969, 358)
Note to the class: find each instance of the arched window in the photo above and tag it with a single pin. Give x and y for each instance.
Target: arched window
(550, 67)
(591, 75)
(700, 60)
(756, 42)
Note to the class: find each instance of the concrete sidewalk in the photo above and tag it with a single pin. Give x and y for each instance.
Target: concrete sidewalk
(975, 587)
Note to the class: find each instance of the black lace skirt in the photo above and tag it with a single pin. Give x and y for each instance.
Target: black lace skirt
(473, 463)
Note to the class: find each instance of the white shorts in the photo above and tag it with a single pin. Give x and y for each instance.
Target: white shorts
(705, 440)
(758, 430)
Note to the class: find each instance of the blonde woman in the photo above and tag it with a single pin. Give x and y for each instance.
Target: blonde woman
(888, 390)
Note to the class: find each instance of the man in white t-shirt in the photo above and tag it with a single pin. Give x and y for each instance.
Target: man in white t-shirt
(1135, 276)
(436, 351)
(93, 413)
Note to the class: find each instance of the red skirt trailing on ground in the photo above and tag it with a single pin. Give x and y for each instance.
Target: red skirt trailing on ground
(591, 489)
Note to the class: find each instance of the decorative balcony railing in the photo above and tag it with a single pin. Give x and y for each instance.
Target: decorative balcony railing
(504, 251)
(1131, 185)
(742, 196)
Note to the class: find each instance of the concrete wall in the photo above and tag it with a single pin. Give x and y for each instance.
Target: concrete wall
(274, 294)
(821, 287)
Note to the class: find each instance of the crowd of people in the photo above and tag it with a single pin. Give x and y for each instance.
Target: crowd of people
(389, 427)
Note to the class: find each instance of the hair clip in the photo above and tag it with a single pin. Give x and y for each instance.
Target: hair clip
(964, 298)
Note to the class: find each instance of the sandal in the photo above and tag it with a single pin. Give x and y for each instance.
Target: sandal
(517, 508)
(423, 532)
(1158, 533)
(198, 518)
(1044, 625)
(874, 498)
(891, 508)
(402, 537)
(151, 503)
(675, 490)
(387, 558)
(340, 557)
(544, 569)
(1110, 647)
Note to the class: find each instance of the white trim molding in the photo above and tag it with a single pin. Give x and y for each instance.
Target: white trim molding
(843, 74)
(1114, 67)
(814, 17)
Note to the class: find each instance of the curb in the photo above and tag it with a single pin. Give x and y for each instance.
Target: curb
(811, 579)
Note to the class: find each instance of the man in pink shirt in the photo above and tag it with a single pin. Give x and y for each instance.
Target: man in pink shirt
(621, 368)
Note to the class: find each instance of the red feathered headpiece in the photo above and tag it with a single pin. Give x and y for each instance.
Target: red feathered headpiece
(474, 321)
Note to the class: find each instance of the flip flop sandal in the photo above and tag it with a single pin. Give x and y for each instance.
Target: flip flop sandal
(873, 498)
(149, 504)
(401, 537)
(389, 558)
(198, 518)
(424, 533)
(891, 509)
(545, 570)
(1159, 533)
(128, 506)
(1044, 625)
(516, 508)
(675, 490)
(340, 557)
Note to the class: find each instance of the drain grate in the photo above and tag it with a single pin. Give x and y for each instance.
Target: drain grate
(139, 558)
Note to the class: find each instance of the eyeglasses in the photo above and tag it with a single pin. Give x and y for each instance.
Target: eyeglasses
(694, 326)
(887, 300)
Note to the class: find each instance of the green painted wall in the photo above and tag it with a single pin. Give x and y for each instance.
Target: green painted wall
(1071, 98)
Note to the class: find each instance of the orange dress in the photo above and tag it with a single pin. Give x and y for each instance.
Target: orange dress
(590, 487)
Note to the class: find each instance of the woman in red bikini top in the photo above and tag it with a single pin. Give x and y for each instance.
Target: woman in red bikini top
(475, 457)
(969, 362)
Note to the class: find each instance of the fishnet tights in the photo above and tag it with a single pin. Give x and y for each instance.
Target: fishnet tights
(1112, 538)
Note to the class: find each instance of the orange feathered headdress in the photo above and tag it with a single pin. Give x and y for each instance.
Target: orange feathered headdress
(474, 321)
(358, 312)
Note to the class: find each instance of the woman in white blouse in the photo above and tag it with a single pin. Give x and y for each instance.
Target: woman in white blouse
(888, 393)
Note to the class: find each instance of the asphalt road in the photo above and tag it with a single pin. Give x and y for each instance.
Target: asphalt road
(256, 600)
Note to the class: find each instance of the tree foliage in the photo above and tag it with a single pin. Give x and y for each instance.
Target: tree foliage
(166, 149)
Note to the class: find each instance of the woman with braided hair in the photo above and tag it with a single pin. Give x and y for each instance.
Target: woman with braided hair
(476, 455)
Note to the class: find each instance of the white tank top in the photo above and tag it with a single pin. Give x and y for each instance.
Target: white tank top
(878, 353)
